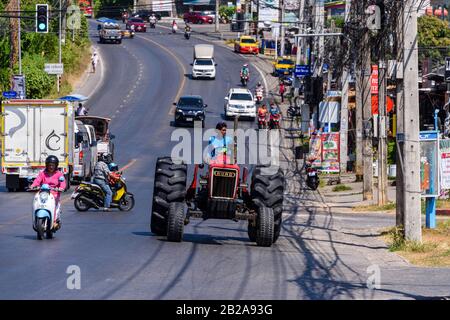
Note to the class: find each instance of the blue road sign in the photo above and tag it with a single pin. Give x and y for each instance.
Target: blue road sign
(9, 94)
(302, 70)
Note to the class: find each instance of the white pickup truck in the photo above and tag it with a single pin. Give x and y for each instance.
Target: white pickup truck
(31, 131)
(204, 65)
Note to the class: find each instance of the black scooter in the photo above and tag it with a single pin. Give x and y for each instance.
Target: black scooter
(244, 80)
(312, 177)
(187, 35)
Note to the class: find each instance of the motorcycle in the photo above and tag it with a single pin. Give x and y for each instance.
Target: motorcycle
(262, 121)
(259, 95)
(44, 212)
(89, 195)
(294, 111)
(275, 120)
(174, 28)
(152, 24)
(187, 35)
(312, 177)
(244, 80)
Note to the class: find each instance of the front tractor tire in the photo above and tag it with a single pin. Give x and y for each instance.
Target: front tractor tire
(169, 186)
(175, 223)
(265, 227)
(267, 190)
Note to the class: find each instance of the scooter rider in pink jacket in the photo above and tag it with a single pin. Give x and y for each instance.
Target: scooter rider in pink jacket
(54, 178)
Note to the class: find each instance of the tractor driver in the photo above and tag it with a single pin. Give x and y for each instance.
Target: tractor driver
(220, 143)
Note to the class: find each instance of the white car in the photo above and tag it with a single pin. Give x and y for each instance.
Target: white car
(240, 101)
(204, 68)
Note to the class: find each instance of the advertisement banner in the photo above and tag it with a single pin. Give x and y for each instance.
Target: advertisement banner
(315, 151)
(330, 152)
(444, 150)
(162, 5)
(268, 12)
(197, 2)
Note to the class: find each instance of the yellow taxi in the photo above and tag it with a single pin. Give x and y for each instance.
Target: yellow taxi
(283, 66)
(246, 44)
(127, 33)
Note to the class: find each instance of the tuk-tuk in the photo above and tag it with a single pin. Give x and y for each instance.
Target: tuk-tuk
(102, 134)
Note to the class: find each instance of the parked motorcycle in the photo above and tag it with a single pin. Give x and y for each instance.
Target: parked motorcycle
(312, 177)
(89, 195)
(45, 210)
(294, 111)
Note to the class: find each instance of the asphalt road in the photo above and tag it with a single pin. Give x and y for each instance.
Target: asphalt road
(118, 256)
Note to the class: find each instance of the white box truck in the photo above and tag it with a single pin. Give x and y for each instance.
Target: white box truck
(204, 65)
(32, 130)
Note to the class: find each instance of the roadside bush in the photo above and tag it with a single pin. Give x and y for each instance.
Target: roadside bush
(37, 82)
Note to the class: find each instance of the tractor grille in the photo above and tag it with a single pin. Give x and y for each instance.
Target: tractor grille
(223, 183)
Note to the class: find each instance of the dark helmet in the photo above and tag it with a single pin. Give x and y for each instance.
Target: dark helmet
(52, 159)
(113, 167)
(106, 158)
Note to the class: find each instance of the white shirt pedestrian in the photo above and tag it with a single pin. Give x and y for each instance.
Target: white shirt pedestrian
(94, 60)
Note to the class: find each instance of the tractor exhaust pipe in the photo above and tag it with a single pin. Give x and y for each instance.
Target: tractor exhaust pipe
(236, 119)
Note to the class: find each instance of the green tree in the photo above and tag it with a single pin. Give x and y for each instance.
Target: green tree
(434, 38)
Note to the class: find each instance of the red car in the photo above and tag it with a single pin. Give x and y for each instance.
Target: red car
(197, 17)
(138, 23)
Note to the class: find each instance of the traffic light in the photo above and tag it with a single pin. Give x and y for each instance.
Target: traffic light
(42, 18)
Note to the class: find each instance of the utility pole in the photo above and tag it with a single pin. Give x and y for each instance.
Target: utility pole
(411, 147)
(13, 25)
(59, 45)
(382, 123)
(367, 115)
(343, 136)
(319, 28)
(382, 144)
(217, 15)
(300, 42)
(400, 110)
(281, 28)
(19, 43)
(359, 101)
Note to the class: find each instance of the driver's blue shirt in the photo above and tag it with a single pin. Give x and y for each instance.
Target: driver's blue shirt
(219, 144)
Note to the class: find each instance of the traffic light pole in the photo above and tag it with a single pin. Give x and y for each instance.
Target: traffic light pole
(18, 40)
(59, 44)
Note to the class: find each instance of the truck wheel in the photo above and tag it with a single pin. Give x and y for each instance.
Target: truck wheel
(251, 231)
(169, 186)
(175, 223)
(265, 227)
(267, 191)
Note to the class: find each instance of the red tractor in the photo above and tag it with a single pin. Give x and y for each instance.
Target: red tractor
(220, 193)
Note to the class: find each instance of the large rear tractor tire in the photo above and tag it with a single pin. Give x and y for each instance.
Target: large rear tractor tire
(169, 186)
(267, 190)
(175, 224)
(265, 227)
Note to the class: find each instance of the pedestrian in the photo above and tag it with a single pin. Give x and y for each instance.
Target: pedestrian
(94, 60)
(282, 90)
(81, 110)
